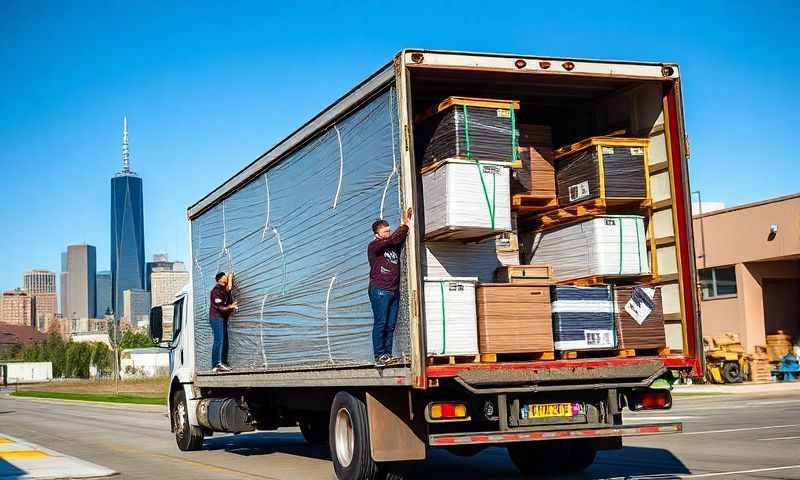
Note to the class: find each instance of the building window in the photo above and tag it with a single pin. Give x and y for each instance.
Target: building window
(718, 282)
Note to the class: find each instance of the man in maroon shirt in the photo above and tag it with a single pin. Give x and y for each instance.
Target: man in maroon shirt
(384, 280)
(220, 308)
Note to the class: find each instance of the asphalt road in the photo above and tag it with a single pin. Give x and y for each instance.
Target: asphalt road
(726, 436)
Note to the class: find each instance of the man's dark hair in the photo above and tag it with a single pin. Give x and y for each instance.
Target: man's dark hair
(219, 275)
(378, 224)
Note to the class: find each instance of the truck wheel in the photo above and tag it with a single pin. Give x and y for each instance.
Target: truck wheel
(188, 437)
(538, 458)
(349, 439)
(581, 456)
(731, 372)
(315, 428)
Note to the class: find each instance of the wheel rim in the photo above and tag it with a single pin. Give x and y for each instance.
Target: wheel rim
(345, 440)
(181, 419)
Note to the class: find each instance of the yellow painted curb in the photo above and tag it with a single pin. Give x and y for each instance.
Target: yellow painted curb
(22, 454)
(5, 441)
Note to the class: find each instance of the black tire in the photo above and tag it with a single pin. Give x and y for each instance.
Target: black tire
(538, 458)
(315, 428)
(352, 459)
(581, 456)
(732, 373)
(188, 437)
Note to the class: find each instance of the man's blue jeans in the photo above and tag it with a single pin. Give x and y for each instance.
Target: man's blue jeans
(219, 348)
(384, 312)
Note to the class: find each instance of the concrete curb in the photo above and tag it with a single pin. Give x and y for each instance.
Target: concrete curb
(130, 407)
(739, 388)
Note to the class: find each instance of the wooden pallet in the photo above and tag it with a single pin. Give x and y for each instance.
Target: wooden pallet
(590, 208)
(609, 279)
(643, 352)
(517, 357)
(453, 359)
(529, 204)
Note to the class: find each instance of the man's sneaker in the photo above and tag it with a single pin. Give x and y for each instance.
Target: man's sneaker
(223, 368)
(215, 370)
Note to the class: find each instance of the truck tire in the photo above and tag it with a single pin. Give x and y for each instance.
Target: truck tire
(581, 456)
(537, 458)
(731, 372)
(349, 439)
(188, 437)
(314, 428)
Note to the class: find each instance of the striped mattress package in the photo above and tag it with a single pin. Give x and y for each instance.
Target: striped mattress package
(583, 318)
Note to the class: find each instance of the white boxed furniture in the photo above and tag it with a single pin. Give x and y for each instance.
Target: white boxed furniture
(465, 199)
(608, 245)
(458, 259)
(451, 326)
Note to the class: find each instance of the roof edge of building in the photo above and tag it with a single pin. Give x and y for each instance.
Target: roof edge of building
(759, 203)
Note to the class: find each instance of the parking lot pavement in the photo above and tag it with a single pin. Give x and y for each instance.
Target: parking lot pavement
(726, 436)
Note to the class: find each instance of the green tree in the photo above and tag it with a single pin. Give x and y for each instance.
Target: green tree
(102, 358)
(54, 349)
(78, 357)
(131, 339)
(31, 352)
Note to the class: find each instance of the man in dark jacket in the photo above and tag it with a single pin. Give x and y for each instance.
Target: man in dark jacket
(221, 308)
(384, 280)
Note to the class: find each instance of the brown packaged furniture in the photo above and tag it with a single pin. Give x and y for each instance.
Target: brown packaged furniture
(649, 334)
(537, 175)
(514, 318)
(523, 274)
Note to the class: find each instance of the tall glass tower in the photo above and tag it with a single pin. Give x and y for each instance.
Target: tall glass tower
(127, 230)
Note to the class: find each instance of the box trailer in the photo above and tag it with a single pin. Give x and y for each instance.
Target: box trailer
(294, 226)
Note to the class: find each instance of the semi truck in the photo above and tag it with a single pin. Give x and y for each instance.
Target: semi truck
(294, 226)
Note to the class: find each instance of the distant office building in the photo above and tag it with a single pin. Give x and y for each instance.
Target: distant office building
(160, 263)
(41, 285)
(39, 281)
(17, 308)
(63, 308)
(127, 230)
(103, 293)
(165, 284)
(136, 308)
(81, 281)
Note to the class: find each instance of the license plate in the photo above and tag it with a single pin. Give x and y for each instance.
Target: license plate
(544, 410)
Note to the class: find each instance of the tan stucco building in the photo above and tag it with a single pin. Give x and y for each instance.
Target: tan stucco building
(748, 262)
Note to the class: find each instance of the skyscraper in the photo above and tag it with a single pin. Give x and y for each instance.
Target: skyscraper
(127, 230)
(63, 278)
(81, 281)
(17, 308)
(160, 263)
(165, 285)
(41, 285)
(103, 292)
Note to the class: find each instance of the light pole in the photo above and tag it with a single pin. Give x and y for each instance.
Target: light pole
(115, 342)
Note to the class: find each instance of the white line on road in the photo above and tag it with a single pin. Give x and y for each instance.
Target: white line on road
(740, 472)
(776, 438)
(730, 430)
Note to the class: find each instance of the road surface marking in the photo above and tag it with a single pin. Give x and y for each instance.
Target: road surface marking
(777, 438)
(4, 441)
(740, 472)
(731, 430)
(8, 454)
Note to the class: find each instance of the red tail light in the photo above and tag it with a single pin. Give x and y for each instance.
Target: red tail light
(650, 400)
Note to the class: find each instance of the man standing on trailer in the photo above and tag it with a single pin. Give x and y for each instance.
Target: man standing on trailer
(384, 282)
(222, 306)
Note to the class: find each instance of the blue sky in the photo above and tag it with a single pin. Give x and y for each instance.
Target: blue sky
(208, 86)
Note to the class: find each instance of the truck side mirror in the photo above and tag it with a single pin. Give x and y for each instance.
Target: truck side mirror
(156, 324)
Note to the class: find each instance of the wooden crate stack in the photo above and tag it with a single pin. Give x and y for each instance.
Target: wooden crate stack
(760, 368)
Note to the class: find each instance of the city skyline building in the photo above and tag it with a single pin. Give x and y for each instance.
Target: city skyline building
(136, 308)
(127, 230)
(81, 281)
(41, 286)
(17, 308)
(103, 293)
(165, 285)
(63, 308)
(160, 262)
(39, 281)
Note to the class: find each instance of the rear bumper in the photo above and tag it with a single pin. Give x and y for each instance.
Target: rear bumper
(443, 440)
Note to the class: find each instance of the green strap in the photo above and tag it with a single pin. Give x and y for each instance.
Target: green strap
(620, 245)
(444, 321)
(489, 203)
(638, 248)
(514, 134)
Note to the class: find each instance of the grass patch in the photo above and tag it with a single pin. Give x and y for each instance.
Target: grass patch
(152, 387)
(94, 397)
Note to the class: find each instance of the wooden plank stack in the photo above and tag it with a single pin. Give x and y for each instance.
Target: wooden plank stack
(537, 176)
(760, 367)
(778, 345)
(640, 317)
